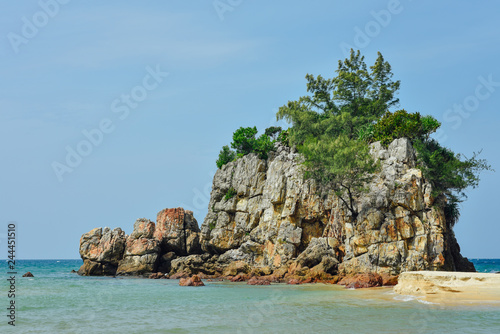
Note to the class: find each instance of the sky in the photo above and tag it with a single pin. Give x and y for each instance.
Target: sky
(112, 111)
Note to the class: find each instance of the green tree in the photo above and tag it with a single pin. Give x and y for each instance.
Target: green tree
(341, 163)
(333, 125)
(244, 141)
(226, 155)
(273, 132)
(402, 124)
(449, 173)
(326, 124)
(356, 97)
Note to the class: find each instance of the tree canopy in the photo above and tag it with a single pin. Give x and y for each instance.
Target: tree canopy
(333, 125)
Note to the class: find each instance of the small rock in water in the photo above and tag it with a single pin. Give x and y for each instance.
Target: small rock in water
(28, 274)
(191, 281)
(257, 281)
(74, 271)
(365, 280)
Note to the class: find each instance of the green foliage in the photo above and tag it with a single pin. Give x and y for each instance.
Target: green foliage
(342, 163)
(402, 124)
(365, 133)
(333, 124)
(283, 137)
(263, 146)
(273, 132)
(450, 173)
(356, 97)
(211, 226)
(451, 213)
(244, 141)
(226, 155)
(230, 194)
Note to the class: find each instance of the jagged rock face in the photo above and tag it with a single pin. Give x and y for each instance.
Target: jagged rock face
(178, 231)
(275, 215)
(141, 250)
(101, 251)
(148, 248)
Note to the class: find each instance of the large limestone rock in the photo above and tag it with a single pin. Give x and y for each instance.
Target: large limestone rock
(177, 231)
(141, 250)
(276, 215)
(101, 251)
(264, 217)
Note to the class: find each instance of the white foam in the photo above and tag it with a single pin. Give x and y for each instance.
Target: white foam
(404, 298)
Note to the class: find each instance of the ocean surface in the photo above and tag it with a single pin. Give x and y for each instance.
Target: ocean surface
(58, 301)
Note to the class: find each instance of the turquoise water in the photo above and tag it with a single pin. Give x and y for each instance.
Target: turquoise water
(57, 301)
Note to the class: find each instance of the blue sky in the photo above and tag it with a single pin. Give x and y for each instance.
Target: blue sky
(71, 67)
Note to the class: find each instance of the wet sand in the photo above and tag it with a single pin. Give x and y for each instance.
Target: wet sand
(450, 287)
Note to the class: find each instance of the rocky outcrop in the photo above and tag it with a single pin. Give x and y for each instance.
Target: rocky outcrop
(149, 248)
(141, 250)
(277, 219)
(28, 274)
(264, 219)
(178, 231)
(101, 251)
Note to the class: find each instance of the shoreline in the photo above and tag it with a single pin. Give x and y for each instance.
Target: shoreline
(450, 287)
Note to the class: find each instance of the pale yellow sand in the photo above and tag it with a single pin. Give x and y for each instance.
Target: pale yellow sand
(450, 287)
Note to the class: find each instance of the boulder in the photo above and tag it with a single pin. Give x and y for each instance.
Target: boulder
(141, 250)
(158, 275)
(28, 274)
(101, 250)
(194, 264)
(239, 278)
(177, 231)
(191, 281)
(365, 280)
(258, 281)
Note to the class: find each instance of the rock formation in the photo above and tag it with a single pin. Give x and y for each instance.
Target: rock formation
(277, 218)
(101, 251)
(145, 250)
(141, 250)
(264, 219)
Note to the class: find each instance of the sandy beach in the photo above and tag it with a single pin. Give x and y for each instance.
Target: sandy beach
(450, 287)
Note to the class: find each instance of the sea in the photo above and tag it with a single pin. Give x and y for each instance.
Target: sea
(56, 300)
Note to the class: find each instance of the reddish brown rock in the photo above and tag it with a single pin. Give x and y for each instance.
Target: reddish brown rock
(293, 281)
(101, 250)
(191, 281)
(179, 275)
(389, 280)
(239, 278)
(141, 250)
(177, 231)
(258, 281)
(158, 275)
(28, 274)
(366, 280)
